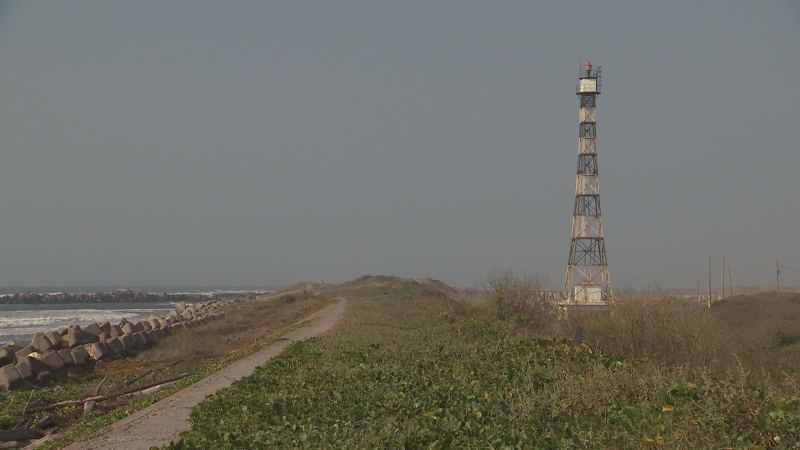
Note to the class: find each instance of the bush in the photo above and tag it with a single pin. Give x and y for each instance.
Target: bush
(660, 328)
(520, 297)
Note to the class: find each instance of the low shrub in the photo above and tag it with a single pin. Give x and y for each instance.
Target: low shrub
(658, 328)
(520, 297)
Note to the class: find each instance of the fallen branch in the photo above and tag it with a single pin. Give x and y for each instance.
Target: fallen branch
(15, 444)
(29, 402)
(97, 391)
(65, 403)
(149, 385)
(22, 424)
(101, 398)
(138, 377)
(19, 435)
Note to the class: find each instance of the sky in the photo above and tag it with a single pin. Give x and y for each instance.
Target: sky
(266, 143)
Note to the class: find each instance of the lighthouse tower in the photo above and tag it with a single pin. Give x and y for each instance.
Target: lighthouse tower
(587, 282)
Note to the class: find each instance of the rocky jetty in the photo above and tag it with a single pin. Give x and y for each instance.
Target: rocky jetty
(51, 354)
(127, 296)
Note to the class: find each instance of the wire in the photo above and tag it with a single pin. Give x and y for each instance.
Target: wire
(789, 268)
(662, 274)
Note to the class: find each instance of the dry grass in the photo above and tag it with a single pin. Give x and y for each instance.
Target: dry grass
(520, 297)
(756, 337)
(245, 324)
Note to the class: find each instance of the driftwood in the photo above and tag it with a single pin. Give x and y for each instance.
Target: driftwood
(45, 422)
(19, 435)
(15, 444)
(28, 403)
(101, 398)
(175, 363)
(97, 391)
(138, 377)
(24, 423)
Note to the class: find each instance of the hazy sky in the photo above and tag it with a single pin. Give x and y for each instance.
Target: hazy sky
(265, 142)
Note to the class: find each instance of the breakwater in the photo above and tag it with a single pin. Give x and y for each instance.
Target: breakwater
(51, 354)
(120, 296)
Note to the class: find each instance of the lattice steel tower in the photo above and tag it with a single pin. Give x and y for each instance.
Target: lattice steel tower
(587, 281)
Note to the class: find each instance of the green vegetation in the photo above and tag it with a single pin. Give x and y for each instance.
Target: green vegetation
(246, 328)
(408, 368)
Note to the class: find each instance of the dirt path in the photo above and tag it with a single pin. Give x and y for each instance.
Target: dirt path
(162, 422)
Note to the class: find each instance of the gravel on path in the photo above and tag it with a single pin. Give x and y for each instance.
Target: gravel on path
(162, 422)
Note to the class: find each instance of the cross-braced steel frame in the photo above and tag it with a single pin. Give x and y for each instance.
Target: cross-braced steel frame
(587, 281)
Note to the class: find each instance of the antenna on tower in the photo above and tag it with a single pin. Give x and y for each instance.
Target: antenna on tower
(587, 282)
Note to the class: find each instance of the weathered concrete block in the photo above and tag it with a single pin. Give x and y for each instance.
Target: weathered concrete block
(127, 328)
(55, 338)
(41, 343)
(187, 315)
(76, 336)
(141, 338)
(53, 360)
(154, 323)
(66, 356)
(106, 327)
(9, 377)
(163, 322)
(138, 327)
(7, 356)
(23, 370)
(103, 336)
(128, 341)
(115, 343)
(79, 355)
(146, 325)
(115, 331)
(34, 365)
(96, 350)
(156, 334)
(14, 346)
(27, 350)
(93, 329)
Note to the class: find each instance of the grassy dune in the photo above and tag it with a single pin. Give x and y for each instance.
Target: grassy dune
(408, 368)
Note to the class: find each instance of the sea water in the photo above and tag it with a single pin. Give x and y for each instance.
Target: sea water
(20, 322)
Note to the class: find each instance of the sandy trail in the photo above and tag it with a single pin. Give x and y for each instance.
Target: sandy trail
(162, 422)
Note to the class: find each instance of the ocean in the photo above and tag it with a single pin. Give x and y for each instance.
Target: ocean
(20, 322)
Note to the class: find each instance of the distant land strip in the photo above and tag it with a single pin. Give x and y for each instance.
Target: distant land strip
(126, 296)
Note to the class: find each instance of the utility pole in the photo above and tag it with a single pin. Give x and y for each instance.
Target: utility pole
(723, 278)
(709, 282)
(730, 281)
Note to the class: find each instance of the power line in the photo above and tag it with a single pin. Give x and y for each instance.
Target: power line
(662, 274)
(789, 268)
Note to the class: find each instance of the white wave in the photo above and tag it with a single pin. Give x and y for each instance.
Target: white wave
(22, 325)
